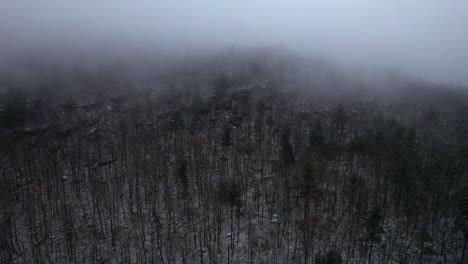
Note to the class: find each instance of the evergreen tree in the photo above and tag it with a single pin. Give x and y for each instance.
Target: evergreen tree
(332, 257)
(182, 176)
(177, 122)
(307, 182)
(13, 109)
(316, 138)
(226, 138)
(287, 153)
(230, 194)
(374, 229)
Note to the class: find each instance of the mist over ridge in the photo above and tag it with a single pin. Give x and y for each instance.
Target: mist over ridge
(425, 39)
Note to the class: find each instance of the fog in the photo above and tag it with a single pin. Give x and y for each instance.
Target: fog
(423, 38)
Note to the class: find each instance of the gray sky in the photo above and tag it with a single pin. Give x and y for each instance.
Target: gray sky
(425, 38)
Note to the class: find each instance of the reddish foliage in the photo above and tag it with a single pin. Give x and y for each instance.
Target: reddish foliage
(197, 141)
(317, 194)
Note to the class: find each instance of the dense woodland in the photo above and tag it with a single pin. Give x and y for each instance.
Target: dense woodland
(232, 159)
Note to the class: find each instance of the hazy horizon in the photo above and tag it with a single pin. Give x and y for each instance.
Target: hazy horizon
(425, 39)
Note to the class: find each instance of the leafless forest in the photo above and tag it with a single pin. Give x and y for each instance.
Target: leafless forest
(247, 157)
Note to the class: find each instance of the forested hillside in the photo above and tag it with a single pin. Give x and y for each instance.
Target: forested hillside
(233, 159)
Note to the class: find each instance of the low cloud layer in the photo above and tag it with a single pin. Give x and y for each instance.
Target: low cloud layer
(425, 38)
